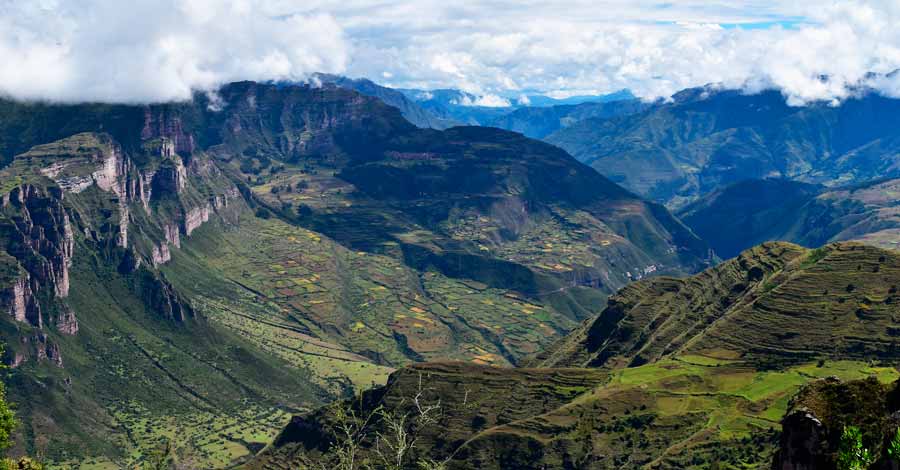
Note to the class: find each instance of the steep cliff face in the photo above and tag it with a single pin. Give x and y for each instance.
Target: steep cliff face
(833, 424)
(165, 122)
(133, 208)
(38, 232)
(88, 221)
(38, 243)
(153, 188)
(16, 296)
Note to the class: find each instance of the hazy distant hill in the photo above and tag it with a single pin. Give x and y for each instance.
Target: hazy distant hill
(736, 217)
(706, 139)
(536, 116)
(539, 122)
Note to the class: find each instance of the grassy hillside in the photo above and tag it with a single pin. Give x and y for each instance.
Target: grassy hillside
(185, 276)
(775, 304)
(691, 373)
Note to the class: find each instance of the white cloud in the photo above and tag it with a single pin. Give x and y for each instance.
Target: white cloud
(566, 48)
(487, 101)
(159, 50)
(145, 50)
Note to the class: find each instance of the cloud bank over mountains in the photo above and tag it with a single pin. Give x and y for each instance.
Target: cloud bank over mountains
(142, 50)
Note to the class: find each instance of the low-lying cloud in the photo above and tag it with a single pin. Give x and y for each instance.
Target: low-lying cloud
(498, 50)
(157, 50)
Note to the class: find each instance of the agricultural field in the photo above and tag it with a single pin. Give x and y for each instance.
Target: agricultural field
(689, 412)
(727, 408)
(567, 243)
(684, 413)
(197, 439)
(347, 317)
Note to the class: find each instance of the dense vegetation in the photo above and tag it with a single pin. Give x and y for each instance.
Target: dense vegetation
(691, 373)
(184, 284)
(290, 246)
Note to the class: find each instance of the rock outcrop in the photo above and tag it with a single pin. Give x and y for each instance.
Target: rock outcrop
(163, 123)
(38, 232)
(161, 297)
(19, 302)
(66, 323)
(814, 431)
(196, 217)
(170, 177)
(159, 176)
(804, 443)
(42, 348)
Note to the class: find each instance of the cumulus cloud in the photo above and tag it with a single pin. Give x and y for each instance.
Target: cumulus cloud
(809, 50)
(152, 50)
(486, 101)
(496, 50)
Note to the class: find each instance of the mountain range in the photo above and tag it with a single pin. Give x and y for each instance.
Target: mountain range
(686, 373)
(194, 272)
(275, 275)
(471, 109)
(704, 139)
(534, 116)
(744, 214)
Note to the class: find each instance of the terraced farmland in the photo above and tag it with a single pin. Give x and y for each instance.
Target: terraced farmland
(336, 313)
(676, 373)
(684, 413)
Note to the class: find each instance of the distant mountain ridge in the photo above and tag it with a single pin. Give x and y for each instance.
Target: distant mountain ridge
(410, 109)
(536, 116)
(706, 139)
(540, 122)
(736, 217)
(472, 109)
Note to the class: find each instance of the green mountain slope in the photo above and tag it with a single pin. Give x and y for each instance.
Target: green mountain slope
(706, 139)
(411, 110)
(191, 273)
(108, 357)
(750, 212)
(676, 373)
(471, 202)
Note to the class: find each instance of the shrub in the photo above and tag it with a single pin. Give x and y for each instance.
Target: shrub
(893, 448)
(852, 455)
(23, 463)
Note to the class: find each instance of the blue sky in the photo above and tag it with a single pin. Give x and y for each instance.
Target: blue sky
(145, 50)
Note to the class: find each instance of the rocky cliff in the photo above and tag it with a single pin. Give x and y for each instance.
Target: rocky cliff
(86, 191)
(833, 424)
